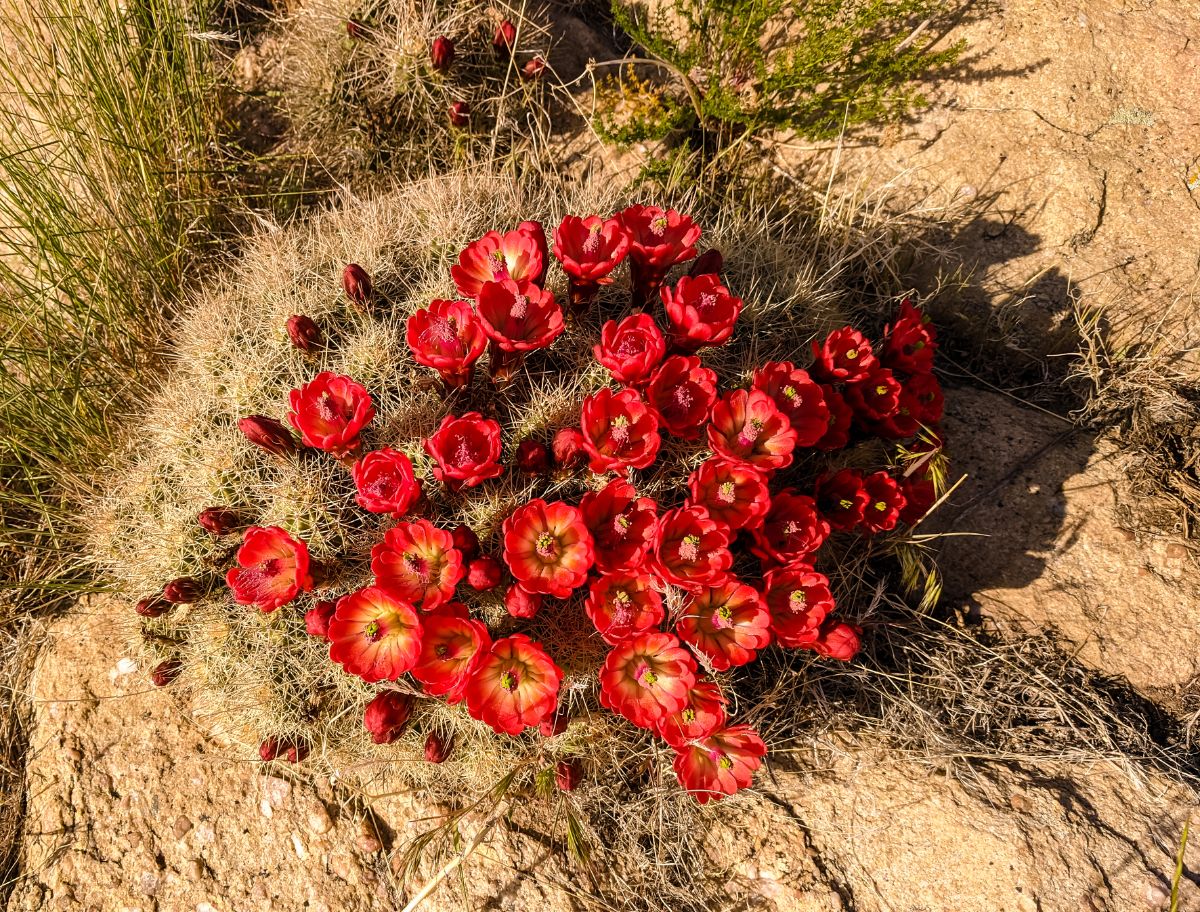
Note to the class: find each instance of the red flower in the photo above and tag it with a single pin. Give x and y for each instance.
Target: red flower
(691, 549)
(386, 716)
(521, 603)
(631, 349)
(793, 529)
(519, 317)
(418, 562)
(733, 492)
(273, 568)
(841, 416)
(910, 344)
(875, 396)
(845, 355)
(441, 54)
(619, 431)
(728, 624)
(494, 258)
(621, 523)
(304, 333)
(375, 635)
(452, 647)
(885, 501)
(515, 686)
(465, 540)
(152, 606)
(165, 673)
(437, 748)
(219, 521)
(466, 449)
(535, 231)
(839, 641)
(460, 114)
(798, 600)
(183, 591)
(658, 238)
(720, 763)
(683, 393)
(317, 618)
(919, 496)
(548, 547)
(533, 67)
(448, 337)
(647, 677)
(268, 434)
(568, 774)
(385, 482)
(747, 427)
(505, 37)
(701, 715)
(356, 283)
(622, 605)
(330, 412)
(484, 574)
(841, 498)
(590, 248)
(701, 311)
(532, 457)
(568, 449)
(799, 398)
(929, 400)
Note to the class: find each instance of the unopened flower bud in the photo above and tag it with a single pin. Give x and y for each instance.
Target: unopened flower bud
(460, 114)
(166, 672)
(466, 541)
(521, 603)
(183, 591)
(484, 574)
(153, 606)
(437, 748)
(297, 751)
(386, 716)
(505, 38)
(533, 69)
(532, 457)
(317, 618)
(304, 333)
(568, 449)
(219, 520)
(269, 749)
(555, 725)
(268, 434)
(708, 263)
(355, 29)
(568, 774)
(357, 285)
(442, 54)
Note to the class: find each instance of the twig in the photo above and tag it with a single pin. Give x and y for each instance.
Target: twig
(434, 882)
(913, 37)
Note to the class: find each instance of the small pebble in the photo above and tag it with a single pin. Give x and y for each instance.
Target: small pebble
(298, 845)
(194, 869)
(149, 883)
(367, 844)
(182, 826)
(265, 808)
(318, 819)
(75, 754)
(1156, 896)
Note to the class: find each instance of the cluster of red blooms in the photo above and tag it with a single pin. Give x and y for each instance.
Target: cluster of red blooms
(624, 550)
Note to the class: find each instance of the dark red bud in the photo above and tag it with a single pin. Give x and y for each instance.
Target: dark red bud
(532, 457)
(219, 520)
(568, 774)
(505, 38)
(386, 716)
(317, 618)
(183, 591)
(555, 725)
(708, 263)
(533, 69)
(269, 749)
(304, 333)
(357, 285)
(442, 54)
(521, 603)
(568, 449)
(166, 672)
(268, 434)
(437, 748)
(153, 606)
(355, 29)
(484, 574)
(466, 541)
(297, 751)
(460, 114)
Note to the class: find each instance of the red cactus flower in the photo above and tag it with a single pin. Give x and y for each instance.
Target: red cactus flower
(533, 68)
(841, 417)
(875, 396)
(452, 647)
(711, 262)
(441, 53)
(356, 283)
(520, 603)
(683, 393)
(448, 337)
(619, 431)
(700, 311)
(631, 349)
(621, 523)
(437, 747)
(919, 496)
(183, 591)
(538, 233)
(910, 344)
(532, 457)
(165, 673)
(375, 635)
(505, 37)
(460, 114)
(484, 573)
(568, 449)
(330, 412)
(519, 317)
(386, 716)
(385, 482)
(622, 605)
(548, 547)
(219, 521)
(841, 498)
(798, 600)
(721, 763)
(304, 333)
(845, 355)
(317, 618)
(885, 501)
(589, 249)
(647, 677)
(515, 686)
(418, 562)
(273, 568)
(701, 715)
(568, 774)
(799, 398)
(923, 395)
(466, 449)
(733, 492)
(268, 434)
(691, 549)
(839, 641)
(792, 530)
(497, 257)
(748, 427)
(727, 624)
(658, 239)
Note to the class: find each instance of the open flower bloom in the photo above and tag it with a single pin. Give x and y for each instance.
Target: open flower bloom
(386, 716)
(385, 482)
(658, 239)
(535, 230)
(621, 523)
(839, 641)
(792, 530)
(885, 501)
(647, 677)
(548, 547)
(798, 599)
(841, 498)
(590, 248)
(798, 396)
(418, 562)
(700, 311)
(631, 349)
(619, 431)
(452, 647)
(841, 417)
(466, 450)
(374, 634)
(911, 341)
(701, 715)
(691, 549)
(495, 257)
(515, 685)
(273, 568)
(622, 605)
(875, 396)
(330, 412)
(720, 763)
(682, 392)
(727, 624)
(519, 316)
(845, 355)
(448, 337)
(748, 427)
(733, 492)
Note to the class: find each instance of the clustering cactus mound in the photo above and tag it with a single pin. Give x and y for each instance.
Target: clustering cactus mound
(261, 677)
